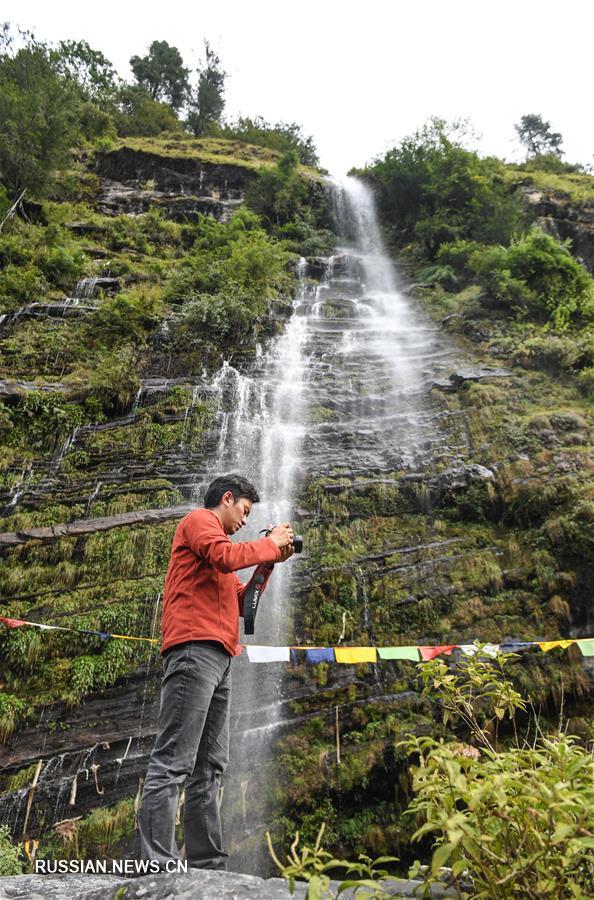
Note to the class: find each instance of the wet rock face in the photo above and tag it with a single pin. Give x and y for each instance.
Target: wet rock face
(565, 220)
(177, 175)
(184, 188)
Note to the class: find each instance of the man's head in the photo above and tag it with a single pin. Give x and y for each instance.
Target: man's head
(231, 497)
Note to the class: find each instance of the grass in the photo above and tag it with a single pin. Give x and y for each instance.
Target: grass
(576, 187)
(216, 151)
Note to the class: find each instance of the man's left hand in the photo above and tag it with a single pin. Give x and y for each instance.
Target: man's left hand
(286, 552)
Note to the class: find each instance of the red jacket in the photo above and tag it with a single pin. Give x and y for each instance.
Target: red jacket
(203, 598)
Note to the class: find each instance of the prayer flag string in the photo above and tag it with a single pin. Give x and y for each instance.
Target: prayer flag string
(343, 654)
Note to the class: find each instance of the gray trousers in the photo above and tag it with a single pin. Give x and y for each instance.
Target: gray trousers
(192, 746)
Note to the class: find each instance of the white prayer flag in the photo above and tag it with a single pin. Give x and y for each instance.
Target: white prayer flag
(471, 649)
(267, 654)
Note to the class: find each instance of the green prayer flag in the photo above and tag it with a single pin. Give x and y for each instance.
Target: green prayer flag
(399, 653)
(587, 647)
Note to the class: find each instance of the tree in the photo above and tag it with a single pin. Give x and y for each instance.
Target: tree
(162, 73)
(89, 69)
(38, 115)
(537, 137)
(279, 192)
(207, 100)
(139, 114)
(431, 189)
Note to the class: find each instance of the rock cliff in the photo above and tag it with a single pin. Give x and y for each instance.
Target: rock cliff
(481, 534)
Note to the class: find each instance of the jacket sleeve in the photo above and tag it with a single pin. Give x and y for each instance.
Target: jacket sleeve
(205, 536)
(242, 588)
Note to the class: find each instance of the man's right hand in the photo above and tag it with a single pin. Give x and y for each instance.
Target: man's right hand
(282, 535)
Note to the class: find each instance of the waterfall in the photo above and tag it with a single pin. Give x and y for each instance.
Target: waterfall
(85, 289)
(388, 348)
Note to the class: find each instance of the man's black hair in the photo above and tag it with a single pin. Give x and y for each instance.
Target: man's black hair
(237, 484)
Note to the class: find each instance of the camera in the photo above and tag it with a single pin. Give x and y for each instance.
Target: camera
(297, 542)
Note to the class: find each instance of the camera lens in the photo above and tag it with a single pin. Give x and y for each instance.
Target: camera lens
(297, 543)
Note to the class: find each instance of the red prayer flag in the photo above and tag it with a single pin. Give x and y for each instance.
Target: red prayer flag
(12, 623)
(428, 653)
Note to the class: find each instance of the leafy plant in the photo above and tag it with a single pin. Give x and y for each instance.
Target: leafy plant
(536, 274)
(10, 864)
(316, 866)
(38, 114)
(432, 190)
(518, 820)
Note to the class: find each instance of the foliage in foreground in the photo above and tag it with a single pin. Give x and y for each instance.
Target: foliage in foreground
(317, 867)
(10, 864)
(510, 820)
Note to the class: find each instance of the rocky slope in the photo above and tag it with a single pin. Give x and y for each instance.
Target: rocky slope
(484, 536)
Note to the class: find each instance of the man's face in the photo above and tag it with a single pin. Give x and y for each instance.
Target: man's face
(235, 512)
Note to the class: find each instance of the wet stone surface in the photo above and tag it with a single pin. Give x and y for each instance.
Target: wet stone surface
(193, 885)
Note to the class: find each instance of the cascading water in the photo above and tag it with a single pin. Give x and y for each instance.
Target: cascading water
(383, 352)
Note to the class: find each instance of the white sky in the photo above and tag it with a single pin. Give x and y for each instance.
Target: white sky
(360, 76)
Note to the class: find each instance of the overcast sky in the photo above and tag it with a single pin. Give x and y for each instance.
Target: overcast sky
(360, 76)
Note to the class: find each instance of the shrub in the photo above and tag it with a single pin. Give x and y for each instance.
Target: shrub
(432, 190)
(11, 710)
(226, 282)
(586, 382)
(279, 192)
(20, 286)
(517, 822)
(282, 136)
(536, 274)
(129, 316)
(10, 864)
(44, 418)
(38, 115)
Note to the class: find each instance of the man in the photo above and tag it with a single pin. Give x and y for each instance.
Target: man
(202, 603)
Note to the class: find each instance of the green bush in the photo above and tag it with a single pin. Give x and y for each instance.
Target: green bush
(11, 710)
(586, 382)
(33, 260)
(279, 192)
(113, 381)
(38, 115)
(517, 821)
(432, 190)
(43, 418)
(535, 275)
(10, 864)
(227, 280)
(282, 136)
(138, 114)
(20, 286)
(129, 316)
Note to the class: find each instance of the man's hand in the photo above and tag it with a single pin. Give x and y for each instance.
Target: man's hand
(282, 535)
(286, 552)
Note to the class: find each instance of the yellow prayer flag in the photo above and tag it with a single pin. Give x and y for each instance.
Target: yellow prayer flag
(550, 645)
(355, 654)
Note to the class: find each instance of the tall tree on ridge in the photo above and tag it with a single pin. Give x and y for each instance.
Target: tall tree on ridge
(207, 101)
(38, 114)
(162, 73)
(536, 135)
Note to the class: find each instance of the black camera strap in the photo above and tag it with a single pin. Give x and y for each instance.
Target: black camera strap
(251, 598)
